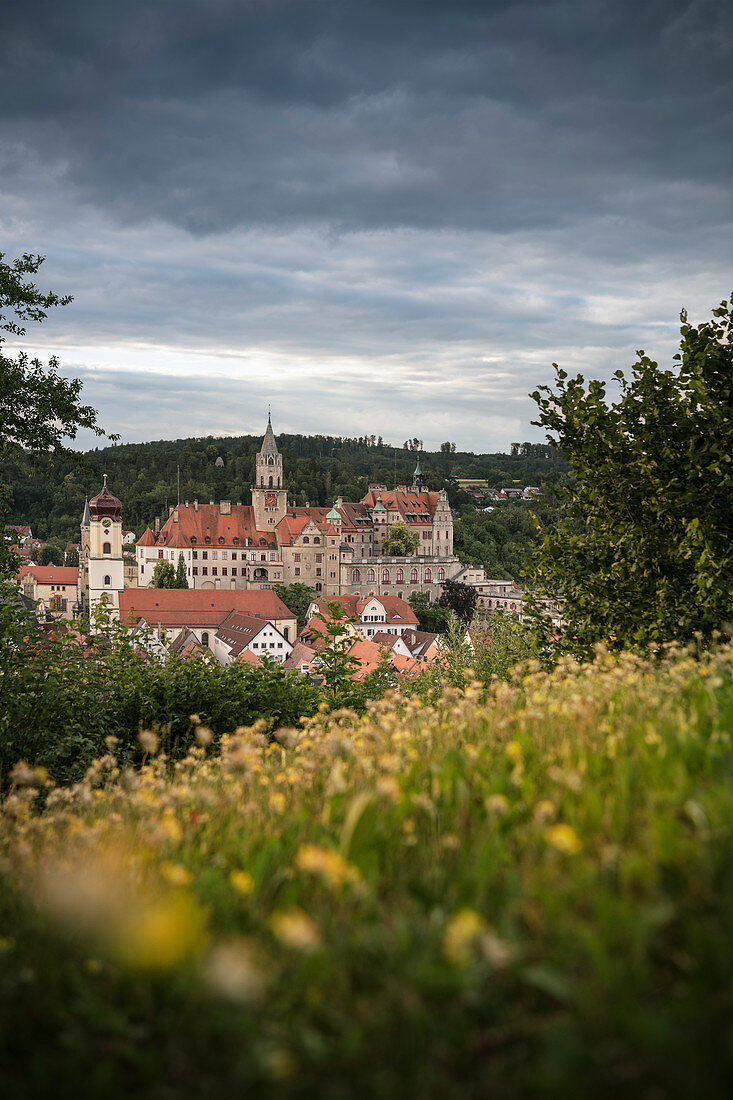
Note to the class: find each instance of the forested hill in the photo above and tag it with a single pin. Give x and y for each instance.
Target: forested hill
(317, 470)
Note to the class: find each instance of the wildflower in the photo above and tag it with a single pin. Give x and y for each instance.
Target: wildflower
(204, 736)
(513, 750)
(564, 838)
(388, 787)
(232, 972)
(496, 804)
(544, 810)
(278, 802)
(242, 882)
(160, 934)
(461, 935)
(175, 873)
(295, 929)
(149, 741)
(331, 867)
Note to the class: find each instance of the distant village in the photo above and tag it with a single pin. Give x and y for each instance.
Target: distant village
(232, 556)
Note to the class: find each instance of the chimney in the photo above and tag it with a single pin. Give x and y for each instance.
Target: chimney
(170, 510)
(225, 507)
(195, 506)
(212, 502)
(175, 515)
(239, 504)
(157, 524)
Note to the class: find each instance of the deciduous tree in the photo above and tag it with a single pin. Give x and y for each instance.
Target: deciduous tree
(643, 553)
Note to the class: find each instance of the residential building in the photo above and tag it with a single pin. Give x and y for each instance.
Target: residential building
(53, 588)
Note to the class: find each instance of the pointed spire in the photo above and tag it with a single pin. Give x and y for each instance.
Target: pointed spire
(417, 476)
(269, 446)
(86, 518)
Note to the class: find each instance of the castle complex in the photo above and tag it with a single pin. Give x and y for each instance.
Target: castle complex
(336, 550)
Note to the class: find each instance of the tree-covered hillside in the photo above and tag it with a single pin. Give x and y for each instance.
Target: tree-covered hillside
(317, 470)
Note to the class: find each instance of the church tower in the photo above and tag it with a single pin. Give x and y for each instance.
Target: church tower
(105, 568)
(269, 496)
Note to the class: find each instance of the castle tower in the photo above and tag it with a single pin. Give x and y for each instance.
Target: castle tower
(417, 478)
(105, 565)
(84, 557)
(269, 495)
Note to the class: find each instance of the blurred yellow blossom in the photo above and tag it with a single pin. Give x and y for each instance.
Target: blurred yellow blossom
(564, 838)
(295, 929)
(242, 882)
(328, 865)
(175, 873)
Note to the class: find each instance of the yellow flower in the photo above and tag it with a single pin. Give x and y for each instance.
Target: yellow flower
(544, 810)
(160, 934)
(513, 750)
(295, 929)
(242, 882)
(328, 865)
(232, 971)
(175, 873)
(564, 838)
(461, 936)
(496, 803)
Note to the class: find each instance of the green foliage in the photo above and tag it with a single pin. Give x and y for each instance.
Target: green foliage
(38, 408)
(50, 555)
(400, 540)
(335, 663)
(164, 575)
(502, 540)
(459, 598)
(518, 896)
(430, 616)
(297, 598)
(181, 580)
(61, 695)
(644, 551)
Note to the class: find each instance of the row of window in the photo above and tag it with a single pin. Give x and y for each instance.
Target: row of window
(254, 555)
(319, 557)
(399, 576)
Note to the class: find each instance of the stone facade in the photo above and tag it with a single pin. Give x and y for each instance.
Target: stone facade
(336, 550)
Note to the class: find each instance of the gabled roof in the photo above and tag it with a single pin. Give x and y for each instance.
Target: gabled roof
(239, 629)
(416, 509)
(396, 611)
(186, 644)
(147, 538)
(421, 642)
(294, 522)
(301, 654)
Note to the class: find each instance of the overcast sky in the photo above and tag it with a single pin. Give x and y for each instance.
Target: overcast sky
(381, 217)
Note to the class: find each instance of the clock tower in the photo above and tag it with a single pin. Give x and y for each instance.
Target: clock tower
(105, 567)
(269, 496)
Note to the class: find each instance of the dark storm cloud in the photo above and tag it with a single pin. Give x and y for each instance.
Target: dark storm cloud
(360, 115)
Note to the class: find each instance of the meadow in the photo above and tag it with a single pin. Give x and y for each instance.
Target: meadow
(516, 890)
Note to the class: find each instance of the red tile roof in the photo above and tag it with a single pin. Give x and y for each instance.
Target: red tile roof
(199, 606)
(147, 538)
(207, 521)
(415, 509)
(51, 574)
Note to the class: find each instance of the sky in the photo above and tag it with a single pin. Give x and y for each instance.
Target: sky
(382, 218)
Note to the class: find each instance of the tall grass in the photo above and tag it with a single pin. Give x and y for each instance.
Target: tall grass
(519, 892)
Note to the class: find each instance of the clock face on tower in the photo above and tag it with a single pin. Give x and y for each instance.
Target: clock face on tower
(270, 500)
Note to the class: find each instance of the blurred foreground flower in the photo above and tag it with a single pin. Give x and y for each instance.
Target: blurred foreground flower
(295, 929)
(232, 971)
(329, 866)
(467, 938)
(564, 838)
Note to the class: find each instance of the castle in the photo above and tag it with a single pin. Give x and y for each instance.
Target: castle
(333, 551)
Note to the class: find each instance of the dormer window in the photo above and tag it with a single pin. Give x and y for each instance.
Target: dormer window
(207, 539)
(221, 540)
(193, 540)
(235, 540)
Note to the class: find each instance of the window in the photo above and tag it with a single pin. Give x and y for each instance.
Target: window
(214, 571)
(400, 576)
(385, 576)
(107, 579)
(223, 555)
(305, 539)
(273, 556)
(205, 571)
(318, 572)
(371, 577)
(214, 555)
(296, 557)
(319, 557)
(195, 570)
(285, 632)
(234, 570)
(224, 571)
(193, 540)
(297, 570)
(355, 576)
(221, 540)
(106, 547)
(413, 576)
(428, 576)
(234, 555)
(195, 555)
(207, 539)
(205, 638)
(204, 554)
(319, 586)
(160, 554)
(441, 574)
(316, 540)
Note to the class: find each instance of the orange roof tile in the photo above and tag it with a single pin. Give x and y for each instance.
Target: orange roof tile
(195, 525)
(204, 607)
(51, 574)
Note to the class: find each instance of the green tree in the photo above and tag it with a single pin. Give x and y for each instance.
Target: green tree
(400, 540)
(38, 408)
(459, 598)
(297, 598)
(164, 575)
(50, 555)
(430, 616)
(72, 557)
(643, 552)
(181, 578)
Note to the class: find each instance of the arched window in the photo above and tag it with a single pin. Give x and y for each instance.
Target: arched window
(371, 577)
(355, 576)
(107, 580)
(428, 576)
(441, 574)
(316, 539)
(385, 576)
(106, 547)
(286, 631)
(205, 637)
(413, 576)
(305, 538)
(269, 485)
(400, 576)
